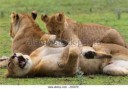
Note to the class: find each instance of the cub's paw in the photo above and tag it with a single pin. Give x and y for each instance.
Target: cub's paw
(46, 38)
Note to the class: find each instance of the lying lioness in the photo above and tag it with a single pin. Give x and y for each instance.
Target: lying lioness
(67, 29)
(25, 33)
(45, 61)
(66, 60)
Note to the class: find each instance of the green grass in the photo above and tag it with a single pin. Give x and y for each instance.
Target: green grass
(83, 80)
(84, 11)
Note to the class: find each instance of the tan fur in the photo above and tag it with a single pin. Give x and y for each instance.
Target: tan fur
(25, 32)
(46, 61)
(113, 49)
(66, 61)
(3, 63)
(47, 38)
(117, 65)
(42, 63)
(88, 34)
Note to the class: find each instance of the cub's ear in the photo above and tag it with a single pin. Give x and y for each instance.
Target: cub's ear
(34, 14)
(45, 18)
(60, 17)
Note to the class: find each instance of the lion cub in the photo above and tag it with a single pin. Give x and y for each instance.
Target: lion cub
(70, 30)
(25, 32)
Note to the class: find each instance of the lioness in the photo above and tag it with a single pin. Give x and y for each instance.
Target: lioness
(68, 29)
(66, 60)
(45, 61)
(25, 32)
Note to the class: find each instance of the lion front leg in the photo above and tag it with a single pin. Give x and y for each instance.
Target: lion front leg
(64, 57)
(72, 61)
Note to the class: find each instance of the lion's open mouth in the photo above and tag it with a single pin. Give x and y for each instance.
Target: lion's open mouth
(22, 62)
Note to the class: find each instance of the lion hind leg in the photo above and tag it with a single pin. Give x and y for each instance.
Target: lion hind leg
(117, 68)
(114, 37)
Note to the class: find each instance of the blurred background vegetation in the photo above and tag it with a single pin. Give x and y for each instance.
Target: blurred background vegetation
(112, 13)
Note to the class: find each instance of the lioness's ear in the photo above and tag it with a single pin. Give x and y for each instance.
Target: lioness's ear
(60, 17)
(34, 14)
(15, 16)
(45, 18)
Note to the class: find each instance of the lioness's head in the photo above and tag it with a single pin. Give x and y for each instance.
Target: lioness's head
(54, 24)
(21, 21)
(19, 65)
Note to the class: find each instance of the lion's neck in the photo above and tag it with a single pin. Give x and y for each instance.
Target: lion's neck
(69, 27)
(27, 39)
(35, 31)
(19, 31)
(35, 59)
(70, 24)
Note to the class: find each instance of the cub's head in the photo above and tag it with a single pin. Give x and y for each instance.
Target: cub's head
(21, 21)
(19, 65)
(54, 24)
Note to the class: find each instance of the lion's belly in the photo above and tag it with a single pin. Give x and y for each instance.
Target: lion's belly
(49, 66)
(46, 51)
(49, 58)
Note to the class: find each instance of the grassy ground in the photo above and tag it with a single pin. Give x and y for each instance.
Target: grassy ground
(112, 13)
